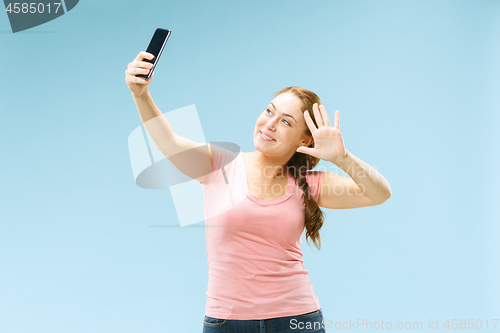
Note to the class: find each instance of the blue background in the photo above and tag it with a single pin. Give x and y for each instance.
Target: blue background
(417, 86)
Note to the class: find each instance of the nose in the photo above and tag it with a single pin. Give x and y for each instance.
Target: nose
(270, 126)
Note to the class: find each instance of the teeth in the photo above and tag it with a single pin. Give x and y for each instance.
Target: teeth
(267, 136)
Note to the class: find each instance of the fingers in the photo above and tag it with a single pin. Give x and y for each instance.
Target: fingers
(138, 67)
(321, 116)
(144, 55)
(140, 64)
(138, 80)
(326, 119)
(137, 70)
(130, 75)
(309, 121)
(317, 115)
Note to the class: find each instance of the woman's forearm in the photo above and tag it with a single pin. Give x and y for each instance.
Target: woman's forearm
(369, 180)
(155, 122)
(146, 106)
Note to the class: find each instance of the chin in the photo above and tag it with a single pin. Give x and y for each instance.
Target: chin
(258, 145)
(263, 148)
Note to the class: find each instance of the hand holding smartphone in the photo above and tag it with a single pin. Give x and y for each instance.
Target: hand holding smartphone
(156, 46)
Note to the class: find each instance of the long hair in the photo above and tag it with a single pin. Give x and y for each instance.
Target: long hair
(299, 163)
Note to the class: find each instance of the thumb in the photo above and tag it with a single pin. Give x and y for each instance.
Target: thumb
(302, 150)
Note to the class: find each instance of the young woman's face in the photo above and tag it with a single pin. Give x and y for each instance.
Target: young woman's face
(283, 121)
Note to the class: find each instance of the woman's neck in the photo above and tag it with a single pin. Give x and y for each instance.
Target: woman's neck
(268, 166)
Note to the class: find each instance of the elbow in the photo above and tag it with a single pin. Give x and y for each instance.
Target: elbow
(388, 196)
(388, 193)
(384, 198)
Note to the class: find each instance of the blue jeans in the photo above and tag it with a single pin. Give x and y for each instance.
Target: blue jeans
(311, 322)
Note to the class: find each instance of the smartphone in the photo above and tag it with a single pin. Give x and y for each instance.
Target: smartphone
(155, 47)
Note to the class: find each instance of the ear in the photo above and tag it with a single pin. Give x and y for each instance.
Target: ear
(307, 141)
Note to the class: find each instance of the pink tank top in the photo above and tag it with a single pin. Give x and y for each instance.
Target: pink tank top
(255, 264)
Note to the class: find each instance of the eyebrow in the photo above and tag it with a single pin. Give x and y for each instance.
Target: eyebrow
(285, 114)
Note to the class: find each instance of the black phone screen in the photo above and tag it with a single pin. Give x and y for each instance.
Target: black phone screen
(155, 47)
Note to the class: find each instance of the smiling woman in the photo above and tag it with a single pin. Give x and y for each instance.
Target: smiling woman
(283, 121)
(257, 278)
(256, 269)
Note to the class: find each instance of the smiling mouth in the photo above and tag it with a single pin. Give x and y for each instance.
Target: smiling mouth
(265, 138)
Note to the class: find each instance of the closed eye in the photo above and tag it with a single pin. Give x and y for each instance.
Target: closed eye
(288, 124)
